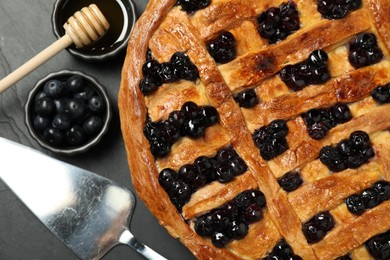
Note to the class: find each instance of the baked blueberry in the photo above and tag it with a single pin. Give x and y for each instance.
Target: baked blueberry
(379, 246)
(75, 135)
(148, 85)
(191, 6)
(176, 118)
(208, 115)
(247, 98)
(168, 73)
(282, 251)
(313, 232)
(382, 188)
(151, 68)
(54, 88)
(203, 226)
(344, 257)
(364, 50)
(359, 140)
(276, 23)
(193, 128)
(224, 173)
(355, 204)
(92, 125)
(344, 147)
(381, 94)
(220, 239)
(53, 136)
(332, 158)
(170, 132)
(45, 107)
(318, 58)
(252, 213)
(160, 148)
(166, 177)
(370, 198)
(187, 70)
(237, 230)
(181, 190)
(341, 113)
(324, 220)
(190, 109)
(223, 47)
(290, 181)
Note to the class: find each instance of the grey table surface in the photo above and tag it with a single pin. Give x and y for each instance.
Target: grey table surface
(25, 29)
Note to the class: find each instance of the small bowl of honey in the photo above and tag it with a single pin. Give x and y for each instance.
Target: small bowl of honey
(121, 16)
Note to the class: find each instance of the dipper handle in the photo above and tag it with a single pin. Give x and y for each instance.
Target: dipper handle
(83, 28)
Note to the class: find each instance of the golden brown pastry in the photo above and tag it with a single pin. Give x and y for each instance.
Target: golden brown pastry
(262, 126)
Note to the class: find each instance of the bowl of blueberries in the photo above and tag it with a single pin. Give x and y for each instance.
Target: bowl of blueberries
(68, 112)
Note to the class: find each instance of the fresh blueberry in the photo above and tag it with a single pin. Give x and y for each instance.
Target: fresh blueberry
(41, 123)
(96, 104)
(74, 84)
(75, 135)
(40, 95)
(92, 125)
(62, 122)
(76, 109)
(45, 107)
(54, 88)
(85, 94)
(53, 136)
(60, 105)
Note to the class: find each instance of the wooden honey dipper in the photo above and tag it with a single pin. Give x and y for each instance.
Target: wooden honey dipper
(84, 27)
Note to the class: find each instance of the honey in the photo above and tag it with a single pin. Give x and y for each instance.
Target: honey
(120, 15)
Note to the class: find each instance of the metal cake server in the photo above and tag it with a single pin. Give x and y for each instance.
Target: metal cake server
(88, 213)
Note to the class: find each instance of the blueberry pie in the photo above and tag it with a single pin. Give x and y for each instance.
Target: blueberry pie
(262, 127)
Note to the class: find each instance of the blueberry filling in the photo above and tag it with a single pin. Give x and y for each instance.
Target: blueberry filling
(68, 112)
(364, 50)
(381, 94)
(247, 98)
(334, 9)
(223, 168)
(349, 153)
(320, 121)
(155, 74)
(290, 181)
(344, 257)
(190, 121)
(271, 139)
(317, 227)
(231, 220)
(223, 47)
(313, 70)
(191, 6)
(379, 246)
(276, 23)
(282, 251)
(369, 198)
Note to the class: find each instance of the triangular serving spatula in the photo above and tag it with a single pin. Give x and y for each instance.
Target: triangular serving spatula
(88, 213)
